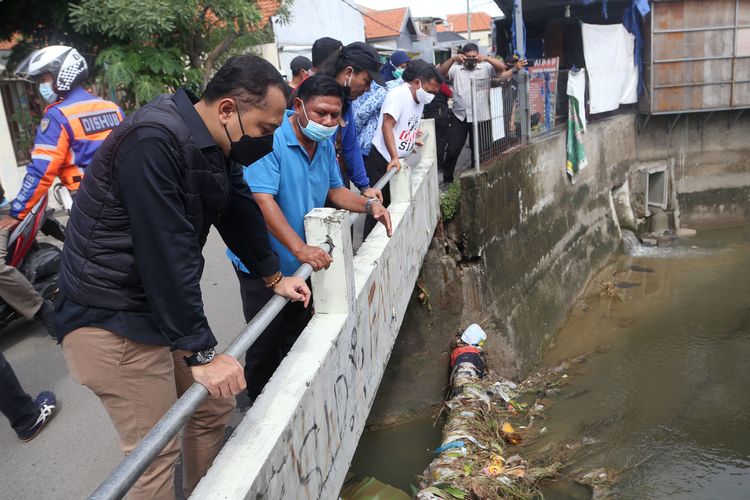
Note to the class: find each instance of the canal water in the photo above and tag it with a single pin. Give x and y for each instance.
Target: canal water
(665, 405)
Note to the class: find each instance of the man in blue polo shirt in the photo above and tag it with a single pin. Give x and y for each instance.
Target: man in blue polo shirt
(297, 176)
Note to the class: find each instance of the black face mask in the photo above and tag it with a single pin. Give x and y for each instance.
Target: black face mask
(248, 149)
(470, 63)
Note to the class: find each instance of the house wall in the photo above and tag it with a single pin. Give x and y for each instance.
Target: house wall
(311, 20)
(482, 38)
(9, 175)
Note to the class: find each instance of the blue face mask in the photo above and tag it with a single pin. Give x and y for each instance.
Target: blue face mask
(315, 131)
(47, 92)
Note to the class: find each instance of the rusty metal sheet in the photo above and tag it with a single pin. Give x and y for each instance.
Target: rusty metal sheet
(741, 95)
(680, 99)
(693, 14)
(693, 44)
(701, 56)
(693, 72)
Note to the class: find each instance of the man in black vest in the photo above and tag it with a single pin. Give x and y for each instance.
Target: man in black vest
(131, 318)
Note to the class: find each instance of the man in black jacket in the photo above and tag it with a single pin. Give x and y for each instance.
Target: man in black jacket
(131, 318)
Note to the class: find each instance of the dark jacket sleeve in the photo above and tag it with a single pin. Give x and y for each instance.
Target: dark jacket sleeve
(165, 245)
(243, 229)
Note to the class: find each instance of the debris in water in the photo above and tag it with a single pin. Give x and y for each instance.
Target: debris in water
(641, 269)
(474, 335)
(609, 289)
(369, 488)
(684, 232)
(478, 457)
(600, 481)
(626, 284)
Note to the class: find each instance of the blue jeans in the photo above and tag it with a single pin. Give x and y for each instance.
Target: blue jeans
(14, 402)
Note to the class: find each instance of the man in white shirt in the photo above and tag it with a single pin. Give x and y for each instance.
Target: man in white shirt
(398, 123)
(471, 66)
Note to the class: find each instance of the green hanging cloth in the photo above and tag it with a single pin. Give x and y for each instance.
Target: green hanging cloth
(576, 154)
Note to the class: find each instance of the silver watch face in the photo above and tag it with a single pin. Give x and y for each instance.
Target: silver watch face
(205, 357)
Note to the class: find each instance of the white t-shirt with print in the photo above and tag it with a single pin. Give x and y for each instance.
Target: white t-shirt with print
(400, 104)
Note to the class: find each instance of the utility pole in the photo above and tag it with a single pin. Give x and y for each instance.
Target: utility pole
(468, 19)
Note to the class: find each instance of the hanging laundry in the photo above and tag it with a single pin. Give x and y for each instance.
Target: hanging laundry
(577, 89)
(643, 7)
(517, 24)
(632, 23)
(613, 76)
(575, 152)
(604, 6)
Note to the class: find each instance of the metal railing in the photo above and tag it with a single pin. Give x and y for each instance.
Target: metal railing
(548, 102)
(127, 473)
(496, 111)
(117, 484)
(511, 112)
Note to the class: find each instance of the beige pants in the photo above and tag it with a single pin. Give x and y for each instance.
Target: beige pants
(137, 383)
(15, 289)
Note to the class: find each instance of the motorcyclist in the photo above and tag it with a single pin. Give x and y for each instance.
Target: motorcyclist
(73, 126)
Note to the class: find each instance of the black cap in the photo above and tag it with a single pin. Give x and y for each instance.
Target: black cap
(365, 57)
(299, 63)
(323, 48)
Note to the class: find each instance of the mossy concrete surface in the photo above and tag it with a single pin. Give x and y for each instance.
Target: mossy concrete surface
(526, 240)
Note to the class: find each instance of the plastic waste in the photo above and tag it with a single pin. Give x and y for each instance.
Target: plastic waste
(448, 446)
(474, 335)
(495, 467)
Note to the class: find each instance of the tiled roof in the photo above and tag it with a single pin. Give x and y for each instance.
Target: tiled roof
(268, 8)
(383, 23)
(480, 21)
(10, 43)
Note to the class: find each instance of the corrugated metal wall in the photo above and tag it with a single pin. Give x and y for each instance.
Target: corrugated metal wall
(701, 56)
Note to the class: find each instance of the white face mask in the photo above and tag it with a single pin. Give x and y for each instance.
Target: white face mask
(48, 92)
(424, 97)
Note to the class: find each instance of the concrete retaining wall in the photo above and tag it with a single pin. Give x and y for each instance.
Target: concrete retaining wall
(527, 240)
(298, 438)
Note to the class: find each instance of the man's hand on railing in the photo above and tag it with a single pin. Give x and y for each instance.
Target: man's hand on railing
(381, 214)
(293, 288)
(314, 256)
(395, 163)
(223, 377)
(373, 193)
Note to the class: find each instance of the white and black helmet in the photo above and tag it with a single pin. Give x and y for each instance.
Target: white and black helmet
(68, 67)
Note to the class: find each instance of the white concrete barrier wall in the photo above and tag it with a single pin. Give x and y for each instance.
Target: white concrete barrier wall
(298, 439)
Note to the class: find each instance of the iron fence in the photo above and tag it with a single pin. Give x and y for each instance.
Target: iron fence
(511, 112)
(548, 102)
(496, 124)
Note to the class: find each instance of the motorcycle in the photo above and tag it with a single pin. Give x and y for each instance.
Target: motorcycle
(38, 261)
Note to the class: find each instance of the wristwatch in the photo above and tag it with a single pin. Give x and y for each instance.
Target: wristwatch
(203, 357)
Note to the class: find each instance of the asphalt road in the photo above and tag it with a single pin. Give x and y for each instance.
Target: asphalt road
(78, 448)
